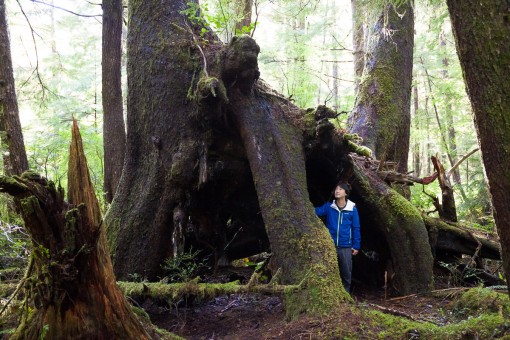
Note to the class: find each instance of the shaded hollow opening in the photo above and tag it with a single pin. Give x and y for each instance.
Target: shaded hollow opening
(324, 170)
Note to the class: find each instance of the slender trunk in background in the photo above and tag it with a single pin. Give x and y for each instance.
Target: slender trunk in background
(416, 142)
(13, 146)
(243, 9)
(323, 57)
(483, 45)
(381, 115)
(357, 43)
(428, 151)
(335, 86)
(114, 133)
(450, 127)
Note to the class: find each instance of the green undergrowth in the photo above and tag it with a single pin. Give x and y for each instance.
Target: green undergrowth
(486, 315)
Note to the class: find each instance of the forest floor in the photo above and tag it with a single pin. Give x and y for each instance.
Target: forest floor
(257, 316)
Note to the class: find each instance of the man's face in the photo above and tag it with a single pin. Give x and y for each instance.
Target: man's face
(339, 192)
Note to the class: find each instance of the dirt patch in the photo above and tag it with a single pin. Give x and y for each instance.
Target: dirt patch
(258, 316)
(237, 316)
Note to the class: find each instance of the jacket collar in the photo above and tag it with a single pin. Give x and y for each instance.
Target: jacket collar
(349, 206)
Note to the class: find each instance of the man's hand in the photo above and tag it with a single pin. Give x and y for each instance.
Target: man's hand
(354, 252)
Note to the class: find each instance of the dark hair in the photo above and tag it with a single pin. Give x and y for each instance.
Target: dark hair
(344, 185)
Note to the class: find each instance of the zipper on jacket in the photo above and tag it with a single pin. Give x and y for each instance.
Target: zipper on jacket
(338, 227)
(340, 220)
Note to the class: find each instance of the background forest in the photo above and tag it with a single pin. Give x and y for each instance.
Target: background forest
(310, 54)
(306, 54)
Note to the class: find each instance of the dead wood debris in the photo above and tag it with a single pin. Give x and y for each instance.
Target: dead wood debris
(387, 171)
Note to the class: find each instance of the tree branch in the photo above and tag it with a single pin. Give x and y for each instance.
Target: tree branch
(456, 165)
(44, 88)
(66, 10)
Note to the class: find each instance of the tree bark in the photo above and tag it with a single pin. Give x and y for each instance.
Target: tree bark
(301, 246)
(13, 147)
(483, 46)
(71, 281)
(447, 210)
(114, 133)
(358, 42)
(163, 141)
(243, 10)
(416, 141)
(381, 115)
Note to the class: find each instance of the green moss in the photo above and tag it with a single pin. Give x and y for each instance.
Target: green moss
(376, 324)
(7, 181)
(31, 175)
(482, 300)
(166, 335)
(321, 290)
(112, 232)
(486, 326)
(29, 206)
(402, 207)
(7, 289)
(140, 312)
(211, 86)
(172, 293)
(308, 118)
(359, 149)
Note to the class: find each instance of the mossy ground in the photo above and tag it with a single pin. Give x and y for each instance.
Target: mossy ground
(476, 313)
(455, 313)
(257, 316)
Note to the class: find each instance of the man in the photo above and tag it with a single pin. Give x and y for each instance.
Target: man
(342, 221)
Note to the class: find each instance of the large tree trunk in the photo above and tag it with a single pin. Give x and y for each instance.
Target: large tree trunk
(381, 115)
(301, 245)
(185, 165)
(483, 45)
(163, 141)
(71, 282)
(114, 133)
(13, 147)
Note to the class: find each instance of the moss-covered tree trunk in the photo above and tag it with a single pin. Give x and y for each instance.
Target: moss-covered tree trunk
(381, 115)
(163, 141)
(301, 246)
(403, 229)
(190, 110)
(11, 136)
(481, 31)
(114, 133)
(70, 290)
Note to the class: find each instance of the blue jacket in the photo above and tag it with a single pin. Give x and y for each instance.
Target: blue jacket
(343, 225)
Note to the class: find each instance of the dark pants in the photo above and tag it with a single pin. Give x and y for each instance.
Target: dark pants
(344, 256)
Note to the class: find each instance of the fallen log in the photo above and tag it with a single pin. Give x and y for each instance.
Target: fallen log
(174, 292)
(460, 240)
